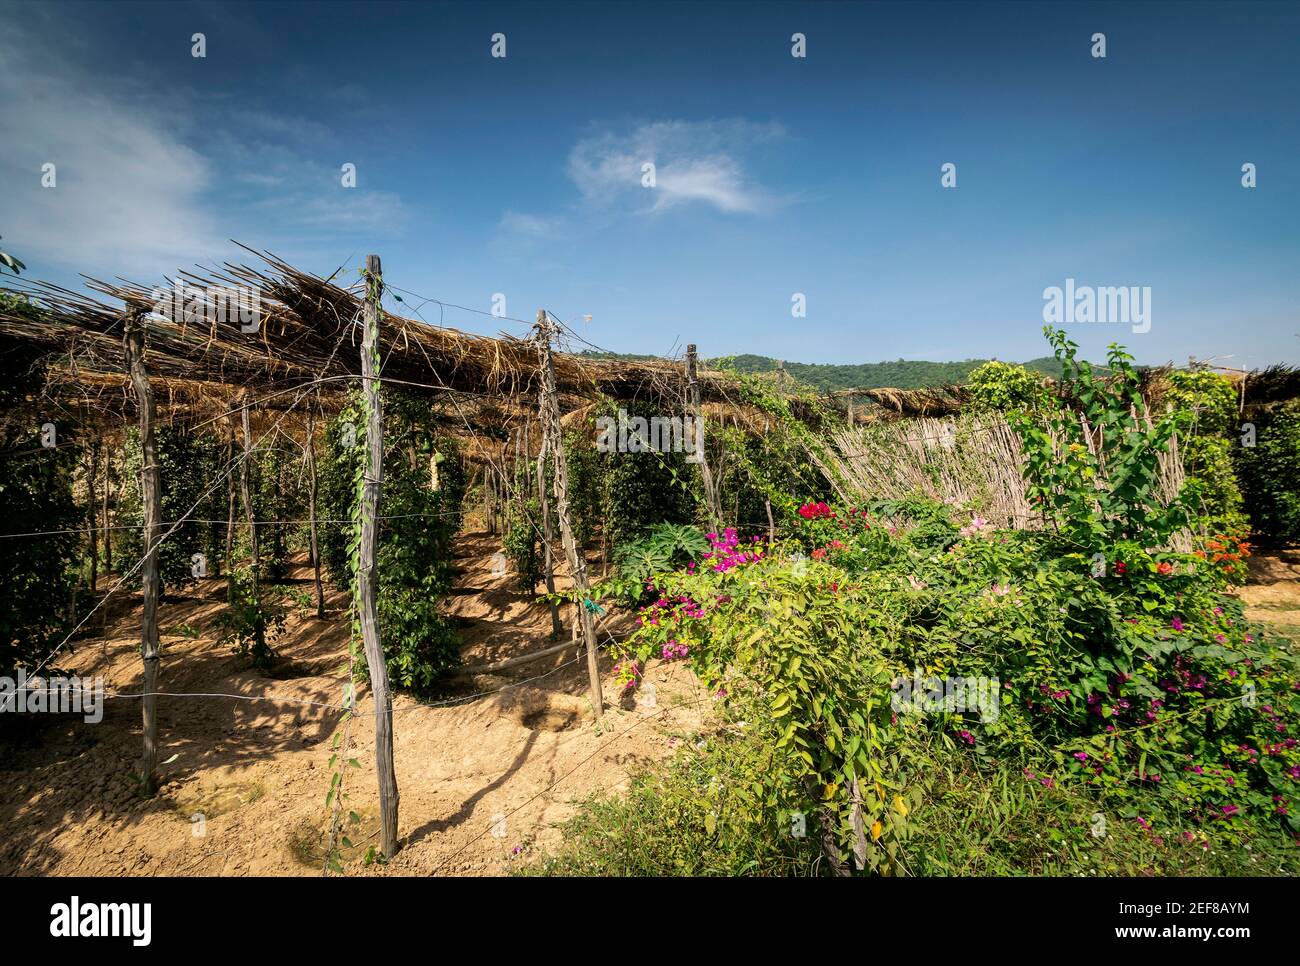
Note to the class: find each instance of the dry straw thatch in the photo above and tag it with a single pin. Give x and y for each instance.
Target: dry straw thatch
(973, 461)
(307, 336)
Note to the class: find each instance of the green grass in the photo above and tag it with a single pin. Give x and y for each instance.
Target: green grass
(973, 821)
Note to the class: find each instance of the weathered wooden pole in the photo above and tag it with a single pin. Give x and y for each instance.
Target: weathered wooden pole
(108, 522)
(548, 566)
(228, 562)
(91, 473)
(371, 486)
(550, 413)
(697, 422)
(246, 492)
(311, 511)
(133, 345)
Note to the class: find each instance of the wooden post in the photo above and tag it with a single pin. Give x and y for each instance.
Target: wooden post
(550, 413)
(133, 345)
(548, 568)
(90, 516)
(246, 492)
(108, 523)
(693, 405)
(229, 561)
(367, 609)
(311, 511)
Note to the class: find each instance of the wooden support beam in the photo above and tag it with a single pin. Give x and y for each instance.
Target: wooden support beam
(91, 474)
(311, 510)
(367, 586)
(228, 562)
(548, 536)
(108, 522)
(246, 492)
(697, 421)
(550, 414)
(133, 346)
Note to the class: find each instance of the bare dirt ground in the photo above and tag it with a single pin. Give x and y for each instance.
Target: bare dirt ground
(1272, 597)
(484, 780)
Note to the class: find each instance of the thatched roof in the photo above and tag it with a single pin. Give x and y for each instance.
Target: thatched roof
(1259, 387)
(944, 400)
(308, 334)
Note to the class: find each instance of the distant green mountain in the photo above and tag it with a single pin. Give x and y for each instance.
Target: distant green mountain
(903, 374)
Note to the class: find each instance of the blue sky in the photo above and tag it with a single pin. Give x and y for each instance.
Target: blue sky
(775, 175)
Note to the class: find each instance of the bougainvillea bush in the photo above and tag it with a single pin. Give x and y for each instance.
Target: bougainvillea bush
(1105, 667)
(1142, 687)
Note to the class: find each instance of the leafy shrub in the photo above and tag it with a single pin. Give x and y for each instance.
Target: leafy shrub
(1209, 402)
(688, 819)
(1098, 497)
(1209, 397)
(1004, 385)
(519, 542)
(250, 626)
(665, 547)
(621, 495)
(36, 491)
(188, 465)
(1269, 473)
(279, 495)
(415, 562)
(1122, 676)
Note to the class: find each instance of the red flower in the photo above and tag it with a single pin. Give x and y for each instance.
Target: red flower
(810, 511)
(1121, 567)
(1165, 569)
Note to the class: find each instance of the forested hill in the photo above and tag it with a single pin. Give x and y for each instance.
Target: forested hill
(903, 374)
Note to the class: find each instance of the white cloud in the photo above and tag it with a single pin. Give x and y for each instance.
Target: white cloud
(534, 226)
(128, 190)
(151, 180)
(696, 162)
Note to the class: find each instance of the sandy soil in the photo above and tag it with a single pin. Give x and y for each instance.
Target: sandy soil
(1273, 595)
(483, 781)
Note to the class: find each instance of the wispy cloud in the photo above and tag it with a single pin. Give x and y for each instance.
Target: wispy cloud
(144, 189)
(127, 190)
(695, 162)
(702, 164)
